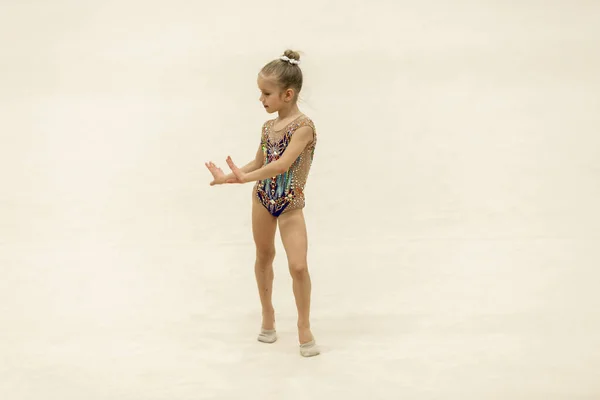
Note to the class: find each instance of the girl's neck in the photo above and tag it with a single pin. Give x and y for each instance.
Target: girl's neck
(291, 112)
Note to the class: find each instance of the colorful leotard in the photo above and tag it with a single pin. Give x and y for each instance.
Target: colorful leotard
(284, 192)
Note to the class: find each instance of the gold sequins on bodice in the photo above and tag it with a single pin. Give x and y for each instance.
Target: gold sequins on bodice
(285, 192)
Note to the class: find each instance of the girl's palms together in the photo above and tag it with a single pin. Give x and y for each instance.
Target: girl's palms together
(219, 176)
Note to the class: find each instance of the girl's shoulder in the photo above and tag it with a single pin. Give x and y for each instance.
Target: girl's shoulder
(303, 121)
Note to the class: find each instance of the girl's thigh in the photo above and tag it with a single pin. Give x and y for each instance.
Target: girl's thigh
(264, 226)
(292, 228)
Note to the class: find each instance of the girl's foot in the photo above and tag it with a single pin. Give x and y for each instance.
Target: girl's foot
(267, 331)
(267, 336)
(308, 346)
(309, 349)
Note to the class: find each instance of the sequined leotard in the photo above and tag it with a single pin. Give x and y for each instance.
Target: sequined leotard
(284, 192)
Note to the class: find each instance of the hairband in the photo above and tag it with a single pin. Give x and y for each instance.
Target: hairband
(290, 60)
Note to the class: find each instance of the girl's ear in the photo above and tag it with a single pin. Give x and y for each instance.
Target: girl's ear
(289, 94)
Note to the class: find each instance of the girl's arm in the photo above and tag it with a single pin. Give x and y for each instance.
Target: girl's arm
(253, 165)
(301, 138)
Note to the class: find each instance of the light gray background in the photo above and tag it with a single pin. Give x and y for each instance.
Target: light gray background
(452, 206)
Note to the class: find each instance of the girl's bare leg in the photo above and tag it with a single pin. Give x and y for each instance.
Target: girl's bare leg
(263, 229)
(292, 228)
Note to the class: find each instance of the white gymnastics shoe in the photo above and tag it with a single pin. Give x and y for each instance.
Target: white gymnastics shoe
(309, 349)
(267, 336)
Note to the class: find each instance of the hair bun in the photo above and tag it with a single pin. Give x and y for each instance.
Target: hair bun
(292, 54)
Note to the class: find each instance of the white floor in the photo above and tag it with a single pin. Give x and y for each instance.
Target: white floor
(452, 205)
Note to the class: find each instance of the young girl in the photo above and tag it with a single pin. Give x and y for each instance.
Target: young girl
(280, 170)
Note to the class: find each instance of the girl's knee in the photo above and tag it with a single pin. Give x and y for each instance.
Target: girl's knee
(298, 270)
(265, 255)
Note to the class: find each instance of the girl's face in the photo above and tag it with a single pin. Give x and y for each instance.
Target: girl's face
(271, 96)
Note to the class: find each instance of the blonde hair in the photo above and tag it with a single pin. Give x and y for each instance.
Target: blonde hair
(286, 74)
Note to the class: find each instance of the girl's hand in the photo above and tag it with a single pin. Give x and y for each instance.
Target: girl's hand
(219, 176)
(238, 173)
(216, 172)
